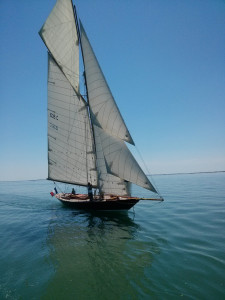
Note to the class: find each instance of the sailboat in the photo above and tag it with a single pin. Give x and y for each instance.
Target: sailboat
(87, 135)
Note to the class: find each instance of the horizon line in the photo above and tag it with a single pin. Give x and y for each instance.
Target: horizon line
(160, 174)
(186, 173)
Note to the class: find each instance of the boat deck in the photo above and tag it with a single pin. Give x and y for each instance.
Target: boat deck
(84, 198)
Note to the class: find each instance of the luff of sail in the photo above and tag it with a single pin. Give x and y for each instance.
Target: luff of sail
(60, 36)
(70, 154)
(101, 101)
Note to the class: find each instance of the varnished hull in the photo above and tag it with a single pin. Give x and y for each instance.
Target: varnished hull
(100, 205)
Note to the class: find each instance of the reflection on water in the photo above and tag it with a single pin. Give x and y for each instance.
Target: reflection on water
(167, 250)
(96, 254)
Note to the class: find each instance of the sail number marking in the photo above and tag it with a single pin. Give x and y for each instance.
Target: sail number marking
(53, 116)
(53, 126)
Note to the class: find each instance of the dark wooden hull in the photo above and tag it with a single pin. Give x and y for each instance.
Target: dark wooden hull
(101, 205)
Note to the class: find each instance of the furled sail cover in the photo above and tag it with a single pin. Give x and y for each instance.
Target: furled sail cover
(70, 153)
(120, 162)
(108, 183)
(100, 97)
(60, 36)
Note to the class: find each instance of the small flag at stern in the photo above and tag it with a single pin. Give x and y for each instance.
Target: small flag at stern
(54, 192)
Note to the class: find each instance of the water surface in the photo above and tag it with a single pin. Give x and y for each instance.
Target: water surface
(168, 250)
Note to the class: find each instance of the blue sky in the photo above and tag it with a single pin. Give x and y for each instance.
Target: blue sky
(164, 62)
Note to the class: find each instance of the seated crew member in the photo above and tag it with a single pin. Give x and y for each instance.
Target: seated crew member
(90, 194)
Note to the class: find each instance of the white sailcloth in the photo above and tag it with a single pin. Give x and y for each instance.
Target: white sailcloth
(108, 183)
(120, 162)
(70, 154)
(76, 154)
(60, 36)
(101, 101)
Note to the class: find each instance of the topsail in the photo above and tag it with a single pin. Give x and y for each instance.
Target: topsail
(59, 34)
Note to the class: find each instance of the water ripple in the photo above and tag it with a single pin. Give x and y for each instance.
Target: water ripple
(160, 251)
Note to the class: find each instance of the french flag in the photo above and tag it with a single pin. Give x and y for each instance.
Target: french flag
(54, 192)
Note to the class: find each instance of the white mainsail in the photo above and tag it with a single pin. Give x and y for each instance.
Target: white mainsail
(70, 154)
(59, 34)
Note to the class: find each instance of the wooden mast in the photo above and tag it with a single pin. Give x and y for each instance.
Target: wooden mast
(85, 82)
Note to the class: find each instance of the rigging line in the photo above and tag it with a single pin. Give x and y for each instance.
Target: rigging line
(149, 174)
(85, 133)
(87, 99)
(92, 132)
(68, 136)
(72, 99)
(71, 124)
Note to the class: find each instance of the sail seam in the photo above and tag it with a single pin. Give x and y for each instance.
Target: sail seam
(83, 144)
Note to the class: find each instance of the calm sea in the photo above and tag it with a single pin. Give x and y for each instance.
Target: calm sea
(169, 250)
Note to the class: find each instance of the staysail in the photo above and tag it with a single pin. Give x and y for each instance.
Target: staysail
(120, 162)
(108, 183)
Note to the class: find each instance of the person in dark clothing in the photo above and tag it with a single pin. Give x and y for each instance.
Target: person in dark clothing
(73, 191)
(90, 194)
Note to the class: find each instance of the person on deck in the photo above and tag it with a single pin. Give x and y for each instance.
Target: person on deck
(90, 194)
(73, 191)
